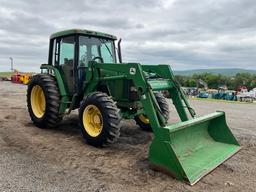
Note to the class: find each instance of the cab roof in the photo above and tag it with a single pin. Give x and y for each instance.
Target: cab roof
(82, 32)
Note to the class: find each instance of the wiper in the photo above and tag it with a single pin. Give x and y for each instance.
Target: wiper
(104, 41)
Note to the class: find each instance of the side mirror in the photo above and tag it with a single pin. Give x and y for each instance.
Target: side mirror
(119, 50)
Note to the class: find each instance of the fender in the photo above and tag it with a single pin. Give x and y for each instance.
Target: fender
(65, 99)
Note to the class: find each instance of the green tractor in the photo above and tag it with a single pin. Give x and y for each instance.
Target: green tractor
(83, 73)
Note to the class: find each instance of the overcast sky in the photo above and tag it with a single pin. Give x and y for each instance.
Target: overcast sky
(187, 34)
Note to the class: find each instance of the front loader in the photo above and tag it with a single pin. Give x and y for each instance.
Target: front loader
(83, 73)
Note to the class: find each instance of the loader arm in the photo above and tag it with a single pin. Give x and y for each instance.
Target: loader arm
(135, 72)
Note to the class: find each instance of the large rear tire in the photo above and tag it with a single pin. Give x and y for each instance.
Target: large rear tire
(142, 120)
(99, 119)
(43, 101)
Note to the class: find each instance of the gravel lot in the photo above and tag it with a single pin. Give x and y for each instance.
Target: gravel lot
(33, 159)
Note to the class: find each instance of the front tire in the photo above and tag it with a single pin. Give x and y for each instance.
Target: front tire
(43, 101)
(142, 120)
(99, 119)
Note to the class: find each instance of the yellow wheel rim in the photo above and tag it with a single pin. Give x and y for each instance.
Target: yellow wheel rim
(144, 119)
(38, 102)
(92, 120)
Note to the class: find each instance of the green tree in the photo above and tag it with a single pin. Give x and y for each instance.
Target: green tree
(216, 80)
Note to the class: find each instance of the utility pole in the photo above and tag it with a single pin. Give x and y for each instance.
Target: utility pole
(11, 63)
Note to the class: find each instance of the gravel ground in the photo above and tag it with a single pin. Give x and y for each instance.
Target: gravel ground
(33, 159)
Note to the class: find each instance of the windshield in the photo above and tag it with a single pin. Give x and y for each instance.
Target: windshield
(91, 48)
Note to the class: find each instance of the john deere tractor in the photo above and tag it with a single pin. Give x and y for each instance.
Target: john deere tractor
(83, 73)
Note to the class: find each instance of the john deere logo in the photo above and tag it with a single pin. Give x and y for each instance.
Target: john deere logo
(132, 71)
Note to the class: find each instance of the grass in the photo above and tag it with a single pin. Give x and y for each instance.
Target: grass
(9, 74)
(6, 74)
(220, 100)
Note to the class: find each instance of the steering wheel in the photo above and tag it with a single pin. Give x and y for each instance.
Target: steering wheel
(100, 58)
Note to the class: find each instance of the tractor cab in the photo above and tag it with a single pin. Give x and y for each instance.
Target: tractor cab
(71, 50)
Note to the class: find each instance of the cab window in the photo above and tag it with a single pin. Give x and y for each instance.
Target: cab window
(67, 51)
(91, 48)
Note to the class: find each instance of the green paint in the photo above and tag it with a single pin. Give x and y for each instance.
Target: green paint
(157, 85)
(65, 99)
(195, 147)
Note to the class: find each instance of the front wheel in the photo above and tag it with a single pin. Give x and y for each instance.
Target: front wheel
(99, 119)
(143, 121)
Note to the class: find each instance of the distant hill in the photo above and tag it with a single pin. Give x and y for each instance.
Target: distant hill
(227, 72)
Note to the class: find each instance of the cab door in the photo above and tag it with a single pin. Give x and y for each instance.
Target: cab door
(64, 58)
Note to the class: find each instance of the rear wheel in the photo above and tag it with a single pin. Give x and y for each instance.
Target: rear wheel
(143, 121)
(99, 119)
(43, 100)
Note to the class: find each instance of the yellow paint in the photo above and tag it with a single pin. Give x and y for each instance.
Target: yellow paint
(144, 119)
(26, 79)
(38, 102)
(92, 120)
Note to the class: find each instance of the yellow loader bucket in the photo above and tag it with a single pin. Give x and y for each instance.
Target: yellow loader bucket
(191, 149)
